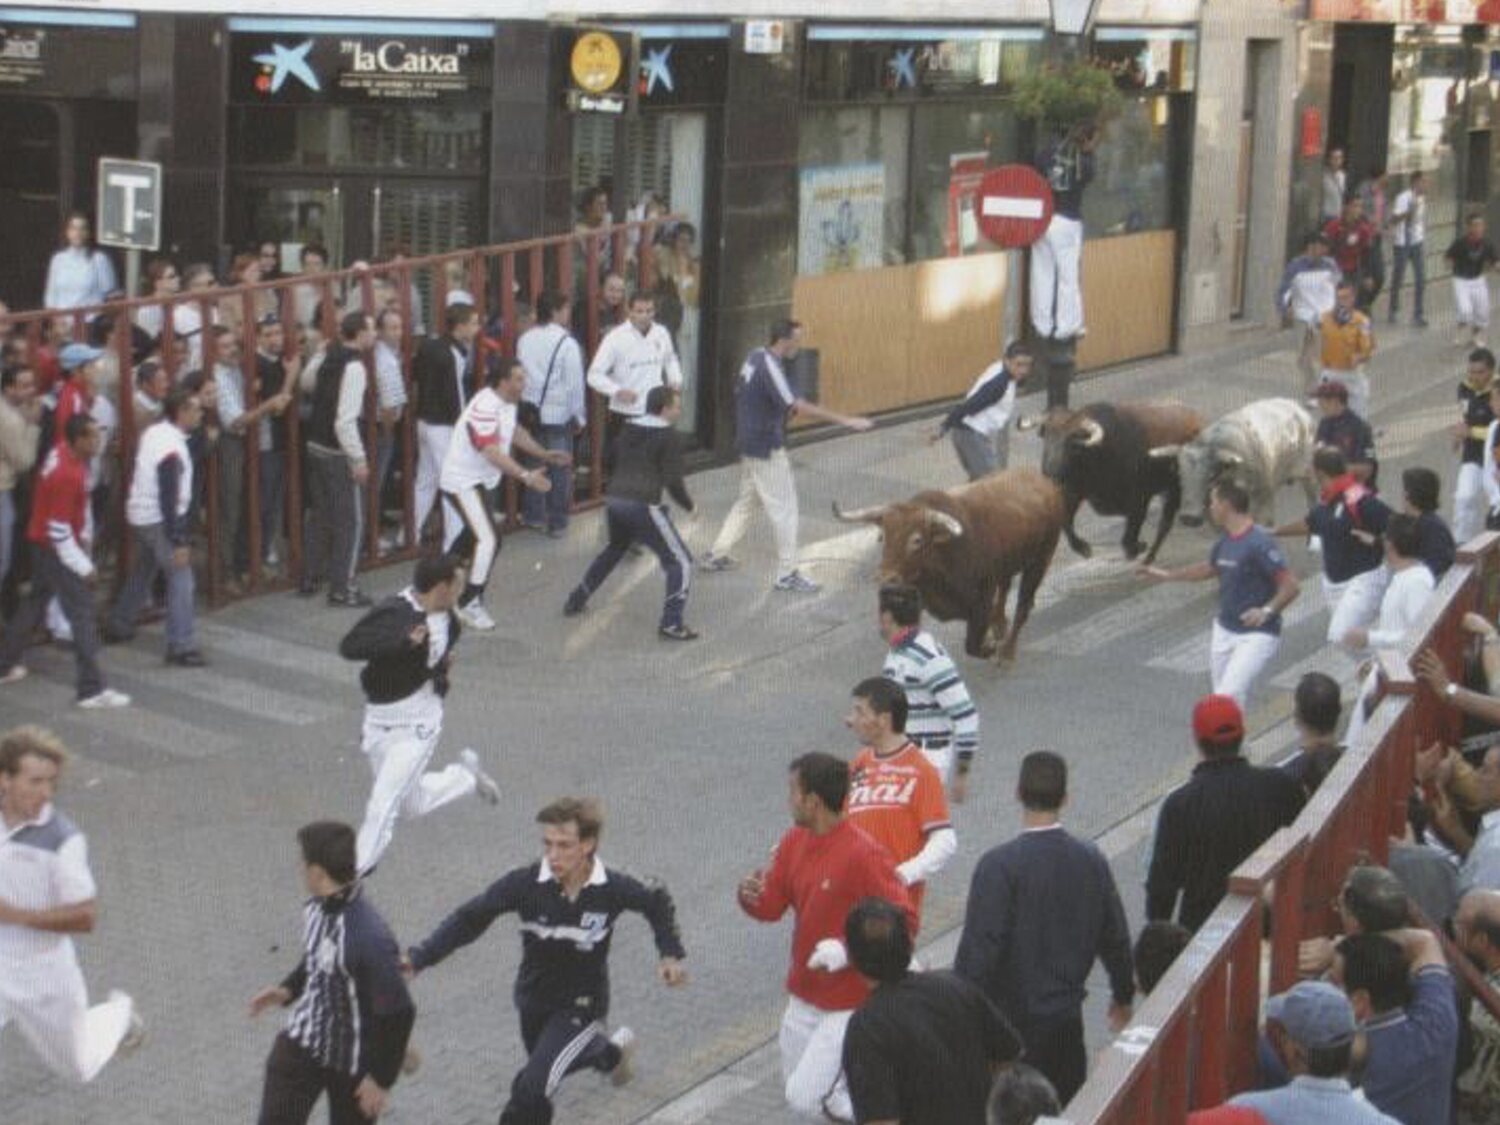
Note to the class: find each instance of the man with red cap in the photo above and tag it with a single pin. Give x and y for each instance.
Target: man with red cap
(1206, 828)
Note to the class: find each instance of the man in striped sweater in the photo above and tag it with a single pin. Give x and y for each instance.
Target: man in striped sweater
(941, 717)
(351, 1015)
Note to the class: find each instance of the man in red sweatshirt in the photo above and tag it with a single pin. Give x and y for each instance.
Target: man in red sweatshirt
(821, 868)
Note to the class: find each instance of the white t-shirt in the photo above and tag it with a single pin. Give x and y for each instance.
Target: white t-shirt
(993, 418)
(1413, 230)
(487, 421)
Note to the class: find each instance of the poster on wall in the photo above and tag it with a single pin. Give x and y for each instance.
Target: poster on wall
(842, 214)
(965, 174)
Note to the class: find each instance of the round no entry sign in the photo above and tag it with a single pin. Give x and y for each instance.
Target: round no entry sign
(1015, 205)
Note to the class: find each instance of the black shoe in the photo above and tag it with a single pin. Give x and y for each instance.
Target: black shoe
(676, 633)
(575, 603)
(192, 658)
(307, 589)
(352, 598)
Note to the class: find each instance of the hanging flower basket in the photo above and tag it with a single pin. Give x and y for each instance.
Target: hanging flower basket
(1065, 96)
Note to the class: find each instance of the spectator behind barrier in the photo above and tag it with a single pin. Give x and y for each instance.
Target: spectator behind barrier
(1476, 929)
(1022, 1096)
(1316, 708)
(1402, 993)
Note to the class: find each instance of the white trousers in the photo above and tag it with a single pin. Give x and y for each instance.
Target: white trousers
(1056, 292)
(1357, 721)
(45, 997)
(469, 510)
(1354, 604)
(1469, 503)
(1236, 660)
(768, 483)
(398, 754)
(812, 1059)
(432, 447)
(1471, 299)
(941, 759)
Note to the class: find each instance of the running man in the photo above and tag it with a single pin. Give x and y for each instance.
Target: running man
(407, 642)
(941, 717)
(478, 456)
(1255, 585)
(763, 402)
(821, 869)
(648, 459)
(47, 894)
(351, 1015)
(896, 794)
(568, 904)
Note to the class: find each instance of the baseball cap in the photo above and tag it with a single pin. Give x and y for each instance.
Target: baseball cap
(1217, 719)
(75, 356)
(1314, 1013)
(1334, 388)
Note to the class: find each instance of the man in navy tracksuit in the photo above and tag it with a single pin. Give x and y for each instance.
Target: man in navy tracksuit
(568, 904)
(648, 459)
(351, 1014)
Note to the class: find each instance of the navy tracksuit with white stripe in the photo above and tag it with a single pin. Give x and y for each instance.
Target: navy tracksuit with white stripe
(648, 459)
(562, 989)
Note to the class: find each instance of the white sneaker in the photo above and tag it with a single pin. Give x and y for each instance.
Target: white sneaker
(484, 784)
(475, 616)
(272, 558)
(796, 583)
(135, 1034)
(624, 1071)
(16, 674)
(108, 698)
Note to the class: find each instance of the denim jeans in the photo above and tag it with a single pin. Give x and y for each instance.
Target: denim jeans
(272, 498)
(553, 506)
(153, 555)
(1402, 255)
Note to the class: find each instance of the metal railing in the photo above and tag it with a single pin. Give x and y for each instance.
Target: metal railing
(498, 278)
(1192, 1042)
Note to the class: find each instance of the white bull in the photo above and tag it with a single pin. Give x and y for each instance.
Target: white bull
(1263, 445)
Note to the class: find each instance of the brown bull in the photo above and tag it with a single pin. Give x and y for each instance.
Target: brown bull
(962, 548)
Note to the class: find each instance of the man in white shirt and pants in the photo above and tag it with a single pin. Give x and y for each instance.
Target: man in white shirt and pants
(47, 893)
(632, 358)
(1408, 223)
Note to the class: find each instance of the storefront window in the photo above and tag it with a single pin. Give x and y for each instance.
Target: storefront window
(1132, 188)
(406, 138)
(952, 145)
(853, 183)
(1164, 59)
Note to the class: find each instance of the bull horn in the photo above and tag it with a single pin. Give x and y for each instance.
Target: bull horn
(1093, 431)
(944, 520)
(860, 515)
(1164, 451)
(1028, 422)
(1227, 458)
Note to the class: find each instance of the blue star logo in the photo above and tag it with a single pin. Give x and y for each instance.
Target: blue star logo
(658, 68)
(903, 68)
(290, 62)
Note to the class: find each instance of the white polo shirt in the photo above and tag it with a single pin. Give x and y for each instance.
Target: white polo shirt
(44, 864)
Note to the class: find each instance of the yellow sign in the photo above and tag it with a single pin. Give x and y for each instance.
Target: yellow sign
(596, 62)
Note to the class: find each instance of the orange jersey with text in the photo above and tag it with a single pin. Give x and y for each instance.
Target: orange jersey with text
(897, 801)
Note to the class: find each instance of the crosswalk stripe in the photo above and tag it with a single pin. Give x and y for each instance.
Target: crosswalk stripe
(291, 656)
(1118, 620)
(241, 694)
(1189, 656)
(1329, 660)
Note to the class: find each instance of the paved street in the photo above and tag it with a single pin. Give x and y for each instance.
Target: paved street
(192, 797)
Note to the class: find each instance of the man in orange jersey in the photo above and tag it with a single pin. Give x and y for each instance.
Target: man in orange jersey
(895, 794)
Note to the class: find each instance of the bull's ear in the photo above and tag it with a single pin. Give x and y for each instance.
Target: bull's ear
(1162, 452)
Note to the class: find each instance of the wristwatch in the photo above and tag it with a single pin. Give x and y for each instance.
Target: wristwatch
(1451, 691)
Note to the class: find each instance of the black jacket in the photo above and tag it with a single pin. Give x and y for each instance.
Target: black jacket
(436, 382)
(1208, 827)
(648, 458)
(564, 943)
(396, 668)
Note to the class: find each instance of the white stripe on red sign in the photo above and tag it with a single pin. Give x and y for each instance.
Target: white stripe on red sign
(1011, 207)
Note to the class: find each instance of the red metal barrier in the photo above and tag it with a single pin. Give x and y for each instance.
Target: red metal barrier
(1192, 1043)
(497, 277)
